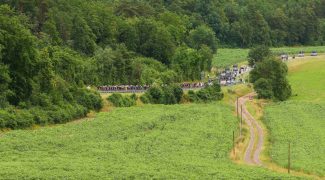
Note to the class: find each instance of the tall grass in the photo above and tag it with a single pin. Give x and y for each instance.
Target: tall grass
(301, 119)
(149, 142)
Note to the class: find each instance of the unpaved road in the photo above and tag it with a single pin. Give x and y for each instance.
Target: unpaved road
(254, 149)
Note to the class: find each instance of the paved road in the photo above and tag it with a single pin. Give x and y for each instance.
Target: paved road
(253, 151)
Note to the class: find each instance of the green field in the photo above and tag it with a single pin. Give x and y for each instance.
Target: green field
(301, 119)
(226, 57)
(169, 142)
(307, 78)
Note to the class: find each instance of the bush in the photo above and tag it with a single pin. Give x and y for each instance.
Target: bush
(155, 95)
(145, 99)
(193, 96)
(40, 116)
(171, 94)
(24, 119)
(258, 54)
(168, 96)
(43, 112)
(208, 94)
(263, 88)
(122, 101)
(5, 118)
(89, 99)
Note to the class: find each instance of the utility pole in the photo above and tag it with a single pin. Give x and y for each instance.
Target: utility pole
(289, 159)
(237, 107)
(241, 119)
(233, 139)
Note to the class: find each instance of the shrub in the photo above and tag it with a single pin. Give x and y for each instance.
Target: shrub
(40, 116)
(263, 87)
(171, 94)
(155, 95)
(168, 96)
(89, 99)
(122, 101)
(208, 94)
(5, 117)
(193, 96)
(24, 119)
(145, 99)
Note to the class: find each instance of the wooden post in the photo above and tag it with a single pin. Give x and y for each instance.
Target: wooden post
(241, 119)
(289, 159)
(233, 139)
(237, 108)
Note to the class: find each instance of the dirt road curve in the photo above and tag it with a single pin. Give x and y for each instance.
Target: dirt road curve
(254, 149)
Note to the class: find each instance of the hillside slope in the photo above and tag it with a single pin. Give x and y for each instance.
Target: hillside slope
(182, 141)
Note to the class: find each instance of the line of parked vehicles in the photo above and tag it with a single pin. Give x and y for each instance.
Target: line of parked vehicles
(285, 56)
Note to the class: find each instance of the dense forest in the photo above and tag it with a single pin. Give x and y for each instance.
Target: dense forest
(51, 49)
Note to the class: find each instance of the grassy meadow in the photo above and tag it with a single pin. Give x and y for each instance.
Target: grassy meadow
(301, 119)
(227, 57)
(153, 141)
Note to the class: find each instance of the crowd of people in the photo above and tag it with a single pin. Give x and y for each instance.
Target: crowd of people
(142, 88)
(123, 88)
(231, 76)
(193, 85)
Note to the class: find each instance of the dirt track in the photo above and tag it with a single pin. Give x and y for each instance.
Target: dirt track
(254, 149)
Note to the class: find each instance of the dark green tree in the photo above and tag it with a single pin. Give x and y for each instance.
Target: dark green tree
(202, 35)
(82, 37)
(275, 72)
(258, 54)
(263, 88)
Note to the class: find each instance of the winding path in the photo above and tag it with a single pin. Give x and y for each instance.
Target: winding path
(254, 149)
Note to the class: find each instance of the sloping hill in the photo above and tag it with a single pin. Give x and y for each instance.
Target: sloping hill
(300, 121)
(173, 142)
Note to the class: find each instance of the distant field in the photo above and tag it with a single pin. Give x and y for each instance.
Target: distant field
(150, 142)
(307, 78)
(226, 57)
(301, 119)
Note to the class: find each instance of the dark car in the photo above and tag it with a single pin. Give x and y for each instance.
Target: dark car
(314, 53)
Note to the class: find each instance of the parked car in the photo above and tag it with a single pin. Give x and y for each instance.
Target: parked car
(301, 54)
(284, 57)
(314, 53)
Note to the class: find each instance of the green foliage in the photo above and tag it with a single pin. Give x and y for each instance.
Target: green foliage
(202, 35)
(119, 100)
(153, 141)
(40, 83)
(189, 63)
(18, 53)
(155, 40)
(208, 94)
(82, 36)
(26, 118)
(4, 83)
(88, 99)
(274, 71)
(258, 54)
(263, 88)
(168, 94)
